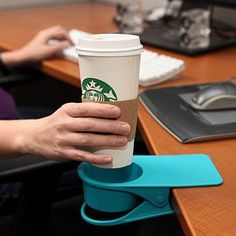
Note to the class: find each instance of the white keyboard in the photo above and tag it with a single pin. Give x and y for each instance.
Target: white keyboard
(154, 68)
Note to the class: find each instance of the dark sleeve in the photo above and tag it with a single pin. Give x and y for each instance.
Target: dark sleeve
(8, 108)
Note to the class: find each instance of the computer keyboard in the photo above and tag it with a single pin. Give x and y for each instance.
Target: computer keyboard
(154, 68)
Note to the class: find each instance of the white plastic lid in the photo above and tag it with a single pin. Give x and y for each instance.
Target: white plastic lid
(109, 45)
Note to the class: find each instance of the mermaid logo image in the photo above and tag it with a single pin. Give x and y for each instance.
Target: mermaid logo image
(97, 91)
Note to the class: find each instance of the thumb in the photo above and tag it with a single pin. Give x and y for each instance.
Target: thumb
(57, 48)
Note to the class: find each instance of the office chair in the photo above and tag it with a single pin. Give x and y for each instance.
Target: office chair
(40, 179)
(18, 77)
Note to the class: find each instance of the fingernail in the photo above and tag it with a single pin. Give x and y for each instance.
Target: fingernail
(122, 140)
(108, 160)
(125, 128)
(115, 111)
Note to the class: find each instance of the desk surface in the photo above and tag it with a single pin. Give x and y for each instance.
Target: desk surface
(201, 211)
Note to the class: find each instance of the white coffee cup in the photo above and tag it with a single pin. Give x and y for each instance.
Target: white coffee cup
(109, 72)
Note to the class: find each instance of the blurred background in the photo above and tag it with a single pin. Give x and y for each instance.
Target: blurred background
(223, 13)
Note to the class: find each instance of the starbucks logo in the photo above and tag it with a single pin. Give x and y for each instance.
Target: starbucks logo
(97, 90)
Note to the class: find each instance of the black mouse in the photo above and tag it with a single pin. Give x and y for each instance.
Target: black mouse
(215, 96)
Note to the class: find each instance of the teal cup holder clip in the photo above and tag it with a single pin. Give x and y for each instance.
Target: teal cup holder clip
(141, 190)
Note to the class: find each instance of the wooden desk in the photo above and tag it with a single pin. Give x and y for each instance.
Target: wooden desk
(18, 27)
(201, 211)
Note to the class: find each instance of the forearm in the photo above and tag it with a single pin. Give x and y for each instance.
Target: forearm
(14, 135)
(12, 59)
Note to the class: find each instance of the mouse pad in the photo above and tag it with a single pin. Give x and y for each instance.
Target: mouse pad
(170, 106)
(213, 117)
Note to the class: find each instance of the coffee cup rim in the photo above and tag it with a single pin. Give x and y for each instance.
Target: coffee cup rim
(109, 45)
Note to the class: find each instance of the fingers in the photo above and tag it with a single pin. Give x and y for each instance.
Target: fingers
(87, 125)
(55, 32)
(89, 109)
(54, 49)
(81, 155)
(99, 125)
(93, 140)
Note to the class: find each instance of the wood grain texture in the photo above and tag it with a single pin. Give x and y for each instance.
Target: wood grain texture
(201, 211)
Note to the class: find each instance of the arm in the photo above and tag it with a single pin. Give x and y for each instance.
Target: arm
(38, 48)
(63, 134)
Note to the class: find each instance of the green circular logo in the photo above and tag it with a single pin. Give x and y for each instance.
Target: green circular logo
(97, 90)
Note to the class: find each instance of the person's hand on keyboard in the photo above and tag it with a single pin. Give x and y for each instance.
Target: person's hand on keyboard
(154, 68)
(38, 48)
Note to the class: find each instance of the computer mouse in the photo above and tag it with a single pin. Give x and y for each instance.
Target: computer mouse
(215, 96)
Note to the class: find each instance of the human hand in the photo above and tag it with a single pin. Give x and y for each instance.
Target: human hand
(65, 133)
(39, 47)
